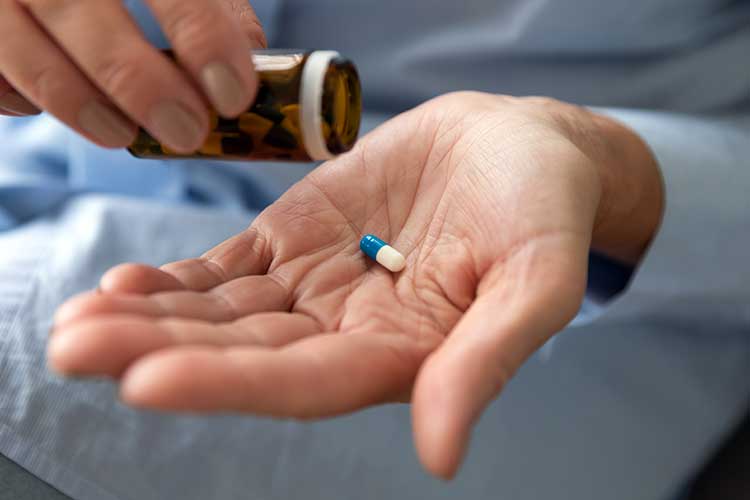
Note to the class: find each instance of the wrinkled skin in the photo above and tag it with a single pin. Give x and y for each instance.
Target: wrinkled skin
(494, 201)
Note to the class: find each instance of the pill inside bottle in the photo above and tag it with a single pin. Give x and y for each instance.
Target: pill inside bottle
(308, 108)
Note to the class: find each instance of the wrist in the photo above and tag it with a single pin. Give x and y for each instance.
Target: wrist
(631, 200)
(632, 191)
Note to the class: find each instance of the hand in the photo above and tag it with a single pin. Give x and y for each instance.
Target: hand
(87, 63)
(494, 201)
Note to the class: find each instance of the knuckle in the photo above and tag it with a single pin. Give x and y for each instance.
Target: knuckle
(541, 102)
(42, 85)
(193, 27)
(463, 96)
(117, 75)
(248, 20)
(458, 103)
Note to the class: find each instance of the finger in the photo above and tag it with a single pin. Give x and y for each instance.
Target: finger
(321, 376)
(228, 302)
(244, 254)
(138, 279)
(107, 345)
(12, 103)
(51, 81)
(211, 45)
(247, 253)
(141, 81)
(248, 21)
(521, 304)
(15, 103)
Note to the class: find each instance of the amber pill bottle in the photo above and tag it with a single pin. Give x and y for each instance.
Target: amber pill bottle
(308, 108)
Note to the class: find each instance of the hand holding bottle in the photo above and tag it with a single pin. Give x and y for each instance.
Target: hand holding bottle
(87, 63)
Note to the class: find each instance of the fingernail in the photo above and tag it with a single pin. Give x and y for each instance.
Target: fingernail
(178, 128)
(16, 103)
(226, 92)
(106, 125)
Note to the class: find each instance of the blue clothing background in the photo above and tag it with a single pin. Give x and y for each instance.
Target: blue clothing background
(627, 403)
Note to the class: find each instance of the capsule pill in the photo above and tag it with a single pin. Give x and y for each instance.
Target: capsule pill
(382, 253)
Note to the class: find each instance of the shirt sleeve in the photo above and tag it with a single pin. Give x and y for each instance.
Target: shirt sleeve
(33, 169)
(43, 164)
(697, 265)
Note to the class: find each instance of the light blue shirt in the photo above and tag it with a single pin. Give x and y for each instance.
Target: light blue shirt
(627, 403)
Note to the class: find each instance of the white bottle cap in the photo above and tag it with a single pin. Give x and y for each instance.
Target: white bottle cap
(311, 103)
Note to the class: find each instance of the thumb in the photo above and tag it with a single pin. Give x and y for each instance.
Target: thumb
(522, 302)
(248, 20)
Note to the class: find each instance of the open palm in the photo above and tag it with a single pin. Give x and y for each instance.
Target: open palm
(493, 207)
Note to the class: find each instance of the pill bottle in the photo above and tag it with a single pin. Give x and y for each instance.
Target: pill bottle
(308, 108)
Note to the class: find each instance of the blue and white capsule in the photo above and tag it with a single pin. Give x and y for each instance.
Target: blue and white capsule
(382, 253)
